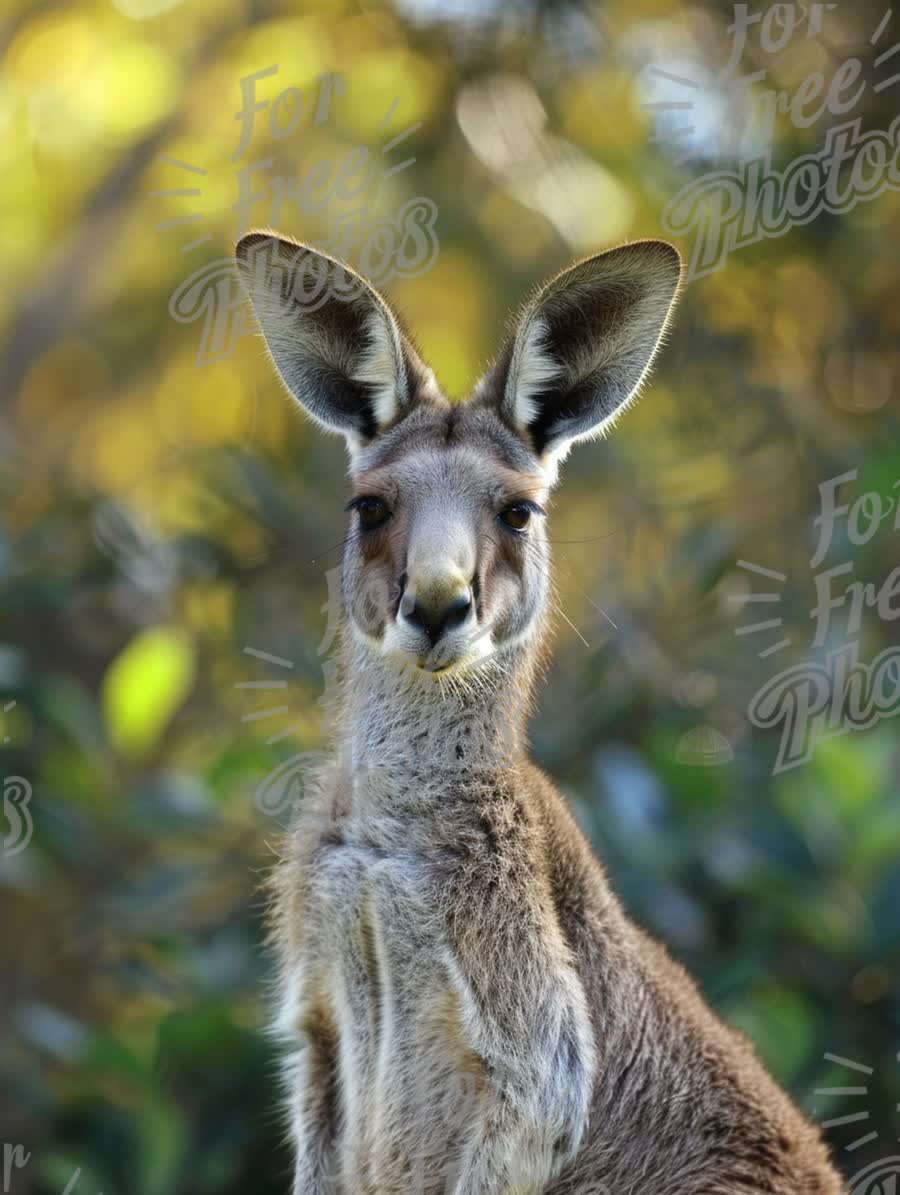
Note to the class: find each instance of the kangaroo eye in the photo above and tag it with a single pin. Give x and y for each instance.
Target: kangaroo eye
(372, 512)
(517, 517)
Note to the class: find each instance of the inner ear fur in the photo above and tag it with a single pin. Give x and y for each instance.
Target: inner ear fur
(584, 343)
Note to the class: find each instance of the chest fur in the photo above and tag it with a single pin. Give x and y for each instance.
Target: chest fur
(375, 955)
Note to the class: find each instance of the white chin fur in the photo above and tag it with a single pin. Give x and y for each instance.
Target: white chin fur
(453, 654)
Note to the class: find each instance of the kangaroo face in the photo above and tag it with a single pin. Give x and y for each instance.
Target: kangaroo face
(446, 558)
(445, 566)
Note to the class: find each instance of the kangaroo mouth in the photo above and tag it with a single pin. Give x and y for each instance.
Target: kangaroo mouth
(445, 659)
(456, 652)
(435, 669)
(437, 662)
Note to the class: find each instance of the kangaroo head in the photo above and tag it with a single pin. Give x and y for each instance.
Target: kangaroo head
(447, 561)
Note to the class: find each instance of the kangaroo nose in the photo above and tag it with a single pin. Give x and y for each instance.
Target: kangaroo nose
(436, 617)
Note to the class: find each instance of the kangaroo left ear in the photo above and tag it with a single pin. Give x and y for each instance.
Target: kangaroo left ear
(583, 346)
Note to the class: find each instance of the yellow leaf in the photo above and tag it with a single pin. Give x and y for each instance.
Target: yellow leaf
(144, 686)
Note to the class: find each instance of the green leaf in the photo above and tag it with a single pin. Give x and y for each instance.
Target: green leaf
(144, 686)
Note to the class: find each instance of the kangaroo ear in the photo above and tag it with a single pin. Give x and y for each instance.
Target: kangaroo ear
(334, 341)
(583, 346)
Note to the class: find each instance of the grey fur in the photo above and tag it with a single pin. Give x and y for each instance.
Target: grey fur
(465, 1006)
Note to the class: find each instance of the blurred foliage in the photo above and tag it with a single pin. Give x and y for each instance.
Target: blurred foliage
(160, 516)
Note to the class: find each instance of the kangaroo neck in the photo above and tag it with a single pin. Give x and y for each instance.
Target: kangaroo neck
(403, 727)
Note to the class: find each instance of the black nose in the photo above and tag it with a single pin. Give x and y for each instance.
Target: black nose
(436, 619)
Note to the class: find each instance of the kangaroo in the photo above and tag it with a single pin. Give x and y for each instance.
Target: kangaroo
(465, 1006)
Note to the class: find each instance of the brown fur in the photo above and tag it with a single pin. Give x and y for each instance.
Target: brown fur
(466, 1007)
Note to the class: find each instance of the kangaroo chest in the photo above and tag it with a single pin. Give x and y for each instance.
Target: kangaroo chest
(376, 953)
(374, 930)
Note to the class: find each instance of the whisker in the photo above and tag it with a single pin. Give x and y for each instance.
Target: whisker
(563, 614)
(340, 544)
(591, 540)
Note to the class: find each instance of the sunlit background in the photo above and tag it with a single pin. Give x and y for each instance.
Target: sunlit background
(164, 510)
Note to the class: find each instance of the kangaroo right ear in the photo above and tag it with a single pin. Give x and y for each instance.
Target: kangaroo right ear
(337, 348)
(583, 345)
